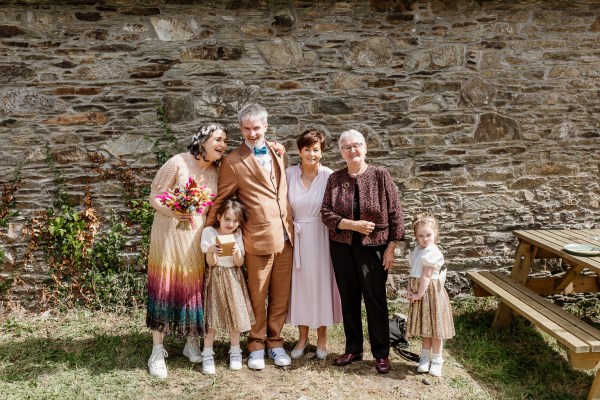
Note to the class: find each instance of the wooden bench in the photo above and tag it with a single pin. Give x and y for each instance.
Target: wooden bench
(581, 341)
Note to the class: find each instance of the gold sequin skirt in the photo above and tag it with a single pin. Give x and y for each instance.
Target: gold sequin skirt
(226, 300)
(432, 315)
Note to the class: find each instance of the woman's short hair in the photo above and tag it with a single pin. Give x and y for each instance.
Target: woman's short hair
(200, 137)
(351, 133)
(309, 138)
(253, 111)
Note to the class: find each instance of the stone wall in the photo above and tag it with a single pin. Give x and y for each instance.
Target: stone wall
(485, 112)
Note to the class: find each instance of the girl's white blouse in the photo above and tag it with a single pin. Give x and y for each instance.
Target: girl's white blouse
(209, 237)
(431, 256)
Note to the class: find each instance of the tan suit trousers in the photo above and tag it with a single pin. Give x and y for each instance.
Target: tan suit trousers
(269, 284)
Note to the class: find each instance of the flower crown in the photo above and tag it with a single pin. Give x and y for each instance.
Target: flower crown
(205, 130)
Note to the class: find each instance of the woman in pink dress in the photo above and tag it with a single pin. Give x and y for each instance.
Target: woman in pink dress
(314, 301)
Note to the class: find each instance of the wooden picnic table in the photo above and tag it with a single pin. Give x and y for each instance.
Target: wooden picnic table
(522, 293)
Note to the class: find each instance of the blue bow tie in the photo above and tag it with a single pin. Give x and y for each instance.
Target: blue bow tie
(260, 150)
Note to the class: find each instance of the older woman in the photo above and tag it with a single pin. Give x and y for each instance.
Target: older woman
(314, 300)
(175, 262)
(362, 211)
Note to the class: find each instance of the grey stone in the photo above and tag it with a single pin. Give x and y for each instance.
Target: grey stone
(69, 155)
(66, 138)
(212, 53)
(552, 168)
(117, 47)
(596, 25)
(564, 130)
(88, 16)
(169, 29)
(8, 31)
(129, 144)
(143, 11)
(27, 140)
(133, 27)
(448, 56)
(346, 80)
(27, 101)
(417, 60)
(217, 100)
(102, 71)
(149, 71)
(178, 108)
(284, 19)
(257, 31)
(396, 122)
(564, 72)
(331, 105)
(285, 53)
(477, 92)
(527, 182)
(374, 52)
(494, 127)
(35, 155)
(431, 103)
(11, 73)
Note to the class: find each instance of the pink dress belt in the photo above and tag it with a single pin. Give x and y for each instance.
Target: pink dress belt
(297, 232)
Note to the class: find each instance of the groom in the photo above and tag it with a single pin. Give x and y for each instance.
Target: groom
(255, 173)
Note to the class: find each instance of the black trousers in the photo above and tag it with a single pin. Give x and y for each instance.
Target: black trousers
(359, 273)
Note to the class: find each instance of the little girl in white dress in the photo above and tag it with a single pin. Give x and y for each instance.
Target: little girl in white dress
(430, 313)
(227, 303)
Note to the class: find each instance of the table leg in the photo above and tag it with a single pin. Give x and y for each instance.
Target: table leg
(594, 393)
(520, 270)
(572, 273)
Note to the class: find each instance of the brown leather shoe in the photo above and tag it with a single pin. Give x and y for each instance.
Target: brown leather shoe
(347, 358)
(382, 365)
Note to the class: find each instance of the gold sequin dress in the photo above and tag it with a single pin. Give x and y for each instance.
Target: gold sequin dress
(432, 315)
(226, 301)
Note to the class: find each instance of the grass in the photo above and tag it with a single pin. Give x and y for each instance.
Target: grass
(522, 362)
(85, 355)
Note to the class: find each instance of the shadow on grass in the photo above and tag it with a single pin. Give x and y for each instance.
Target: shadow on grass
(28, 358)
(518, 363)
(25, 359)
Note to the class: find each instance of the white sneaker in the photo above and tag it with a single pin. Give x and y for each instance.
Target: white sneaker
(235, 359)
(156, 363)
(280, 357)
(424, 362)
(192, 350)
(256, 359)
(208, 362)
(436, 365)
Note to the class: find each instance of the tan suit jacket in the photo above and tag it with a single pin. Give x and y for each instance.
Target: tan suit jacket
(264, 195)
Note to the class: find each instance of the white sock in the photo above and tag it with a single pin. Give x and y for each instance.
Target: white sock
(425, 352)
(157, 347)
(437, 358)
(208, 351)
(235, 349)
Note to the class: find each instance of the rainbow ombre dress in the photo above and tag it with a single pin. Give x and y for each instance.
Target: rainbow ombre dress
(175, 261)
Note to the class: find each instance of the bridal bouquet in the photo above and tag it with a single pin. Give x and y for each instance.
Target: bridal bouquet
(188, 199)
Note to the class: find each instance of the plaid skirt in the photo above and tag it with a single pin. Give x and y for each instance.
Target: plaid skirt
(432, 315)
